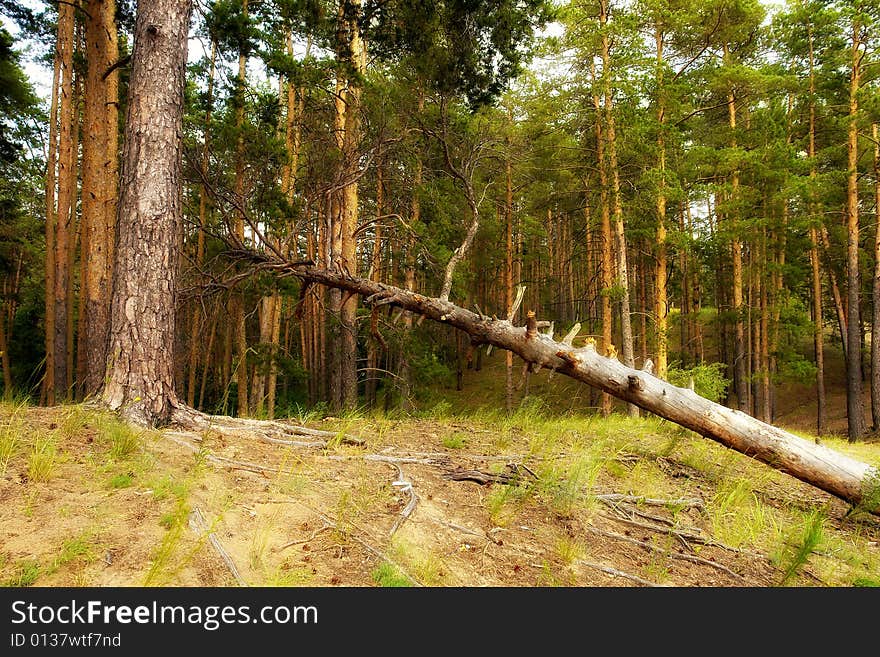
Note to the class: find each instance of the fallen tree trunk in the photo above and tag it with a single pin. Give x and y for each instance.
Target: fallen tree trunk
(833, 472)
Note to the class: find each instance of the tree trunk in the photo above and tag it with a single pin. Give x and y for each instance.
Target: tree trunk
(854, 401)
(815, 266)
(660, 296)
(739, 345)
(237, 301)
(817, 465)
(607, 244)
(375, 274)
(875, 323)
(836, 296)
(4, 357)
(508, 269)
(195, 322)
(48, 392)
(66, 198)
(98, 188)
(140, 366)
(628, 347)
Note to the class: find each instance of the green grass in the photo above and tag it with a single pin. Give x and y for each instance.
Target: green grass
(387, 575)
(120, 438)
(165, 562)
(454, 441)
(27, 572)
(42, 458)
(11, 431)
(801, 542)
(738, 517)
(123, 480)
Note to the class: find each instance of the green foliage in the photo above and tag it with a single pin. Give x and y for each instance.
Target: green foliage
(708, 379)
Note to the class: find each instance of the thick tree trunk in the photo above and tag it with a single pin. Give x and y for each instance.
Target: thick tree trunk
(831, 471)
(140, 367)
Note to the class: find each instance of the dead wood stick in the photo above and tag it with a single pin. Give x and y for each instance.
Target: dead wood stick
(305, 540)
(616, 573)
(687, 502)
(405, 486)
(669, 553)
(197, 523)
(688, 536)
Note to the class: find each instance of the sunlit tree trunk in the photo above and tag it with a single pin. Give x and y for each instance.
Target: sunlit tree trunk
(660, 295)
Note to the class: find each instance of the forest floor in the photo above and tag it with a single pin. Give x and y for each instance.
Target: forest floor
(86, 500)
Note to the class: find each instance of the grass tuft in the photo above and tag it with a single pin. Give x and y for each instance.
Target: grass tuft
(42, 458)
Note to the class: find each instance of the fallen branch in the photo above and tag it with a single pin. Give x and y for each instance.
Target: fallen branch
(669, 553)
(818, 465)
(616, 573)
(197, 523)
(684, 503)
(405, 486)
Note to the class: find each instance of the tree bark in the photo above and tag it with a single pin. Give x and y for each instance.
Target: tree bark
(140, 368)
(854, 401)
(236, 303)
(875, 323)
(195, 322)
(660, 295)
(98, 188)
(824, 468)
(66, 198)
(628, 348)
(740, 361)
(607, 244)
(51, 164)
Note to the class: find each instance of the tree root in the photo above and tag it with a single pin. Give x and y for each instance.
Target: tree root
(273, 431)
